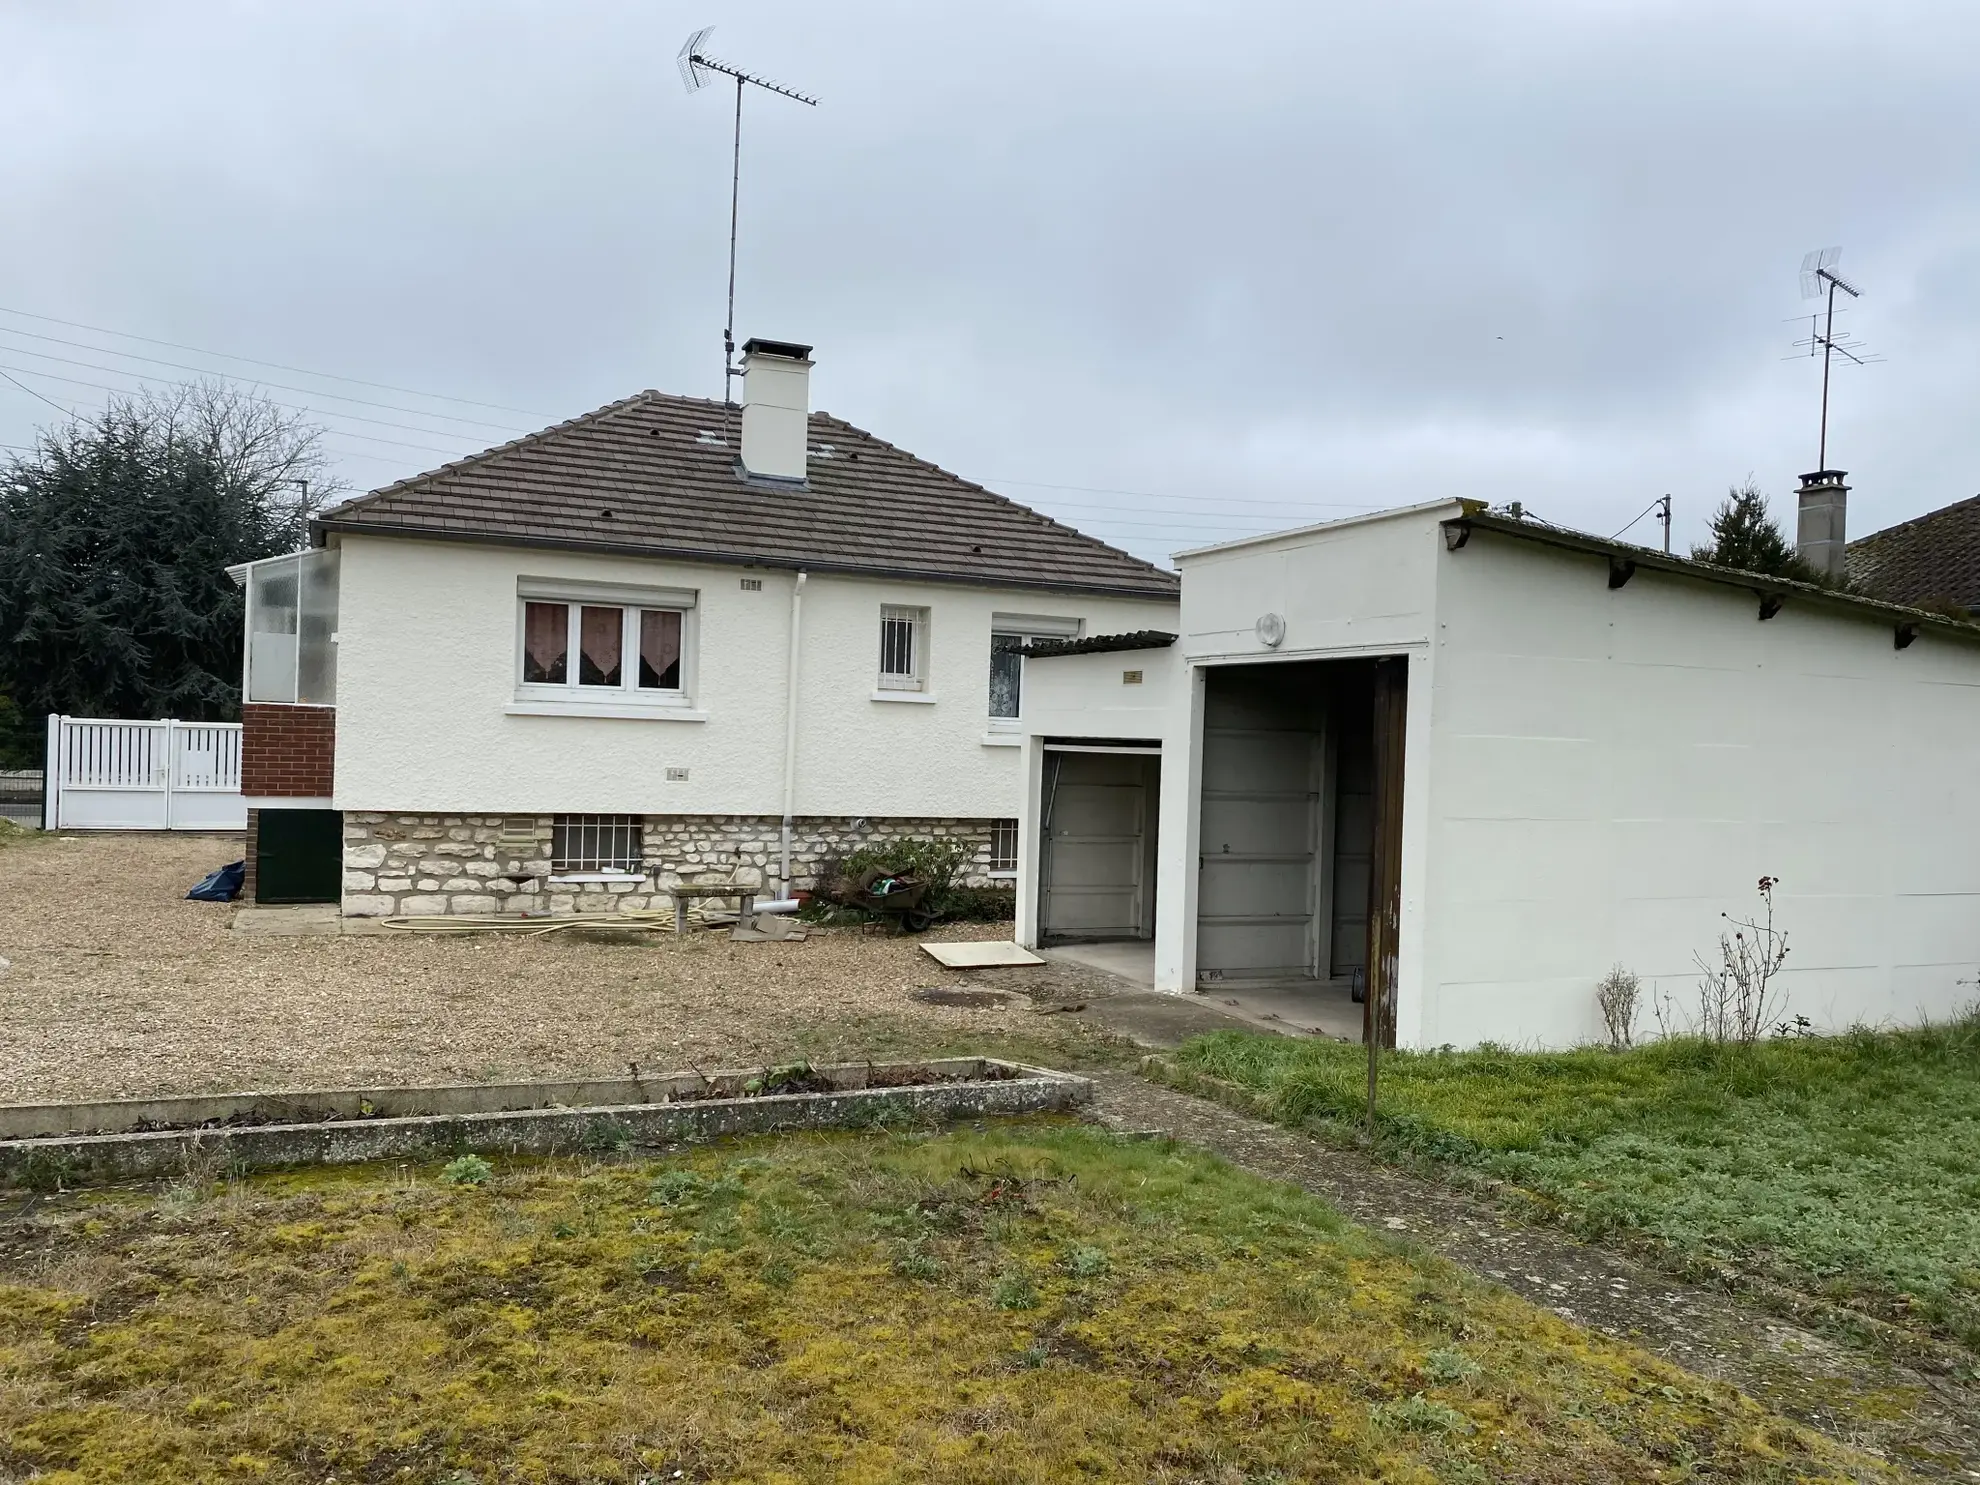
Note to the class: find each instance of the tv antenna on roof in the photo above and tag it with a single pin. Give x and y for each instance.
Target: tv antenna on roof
(696, 69)
(1819, 280)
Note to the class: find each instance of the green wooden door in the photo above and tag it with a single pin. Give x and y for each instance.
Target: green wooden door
(300, 856)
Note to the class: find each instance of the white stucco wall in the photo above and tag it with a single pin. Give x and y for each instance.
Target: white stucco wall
(1613, 770)
(1086, 696)
(426, 665)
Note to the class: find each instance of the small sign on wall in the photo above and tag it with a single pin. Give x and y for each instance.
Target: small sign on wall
(1130, 678)
(677, 775)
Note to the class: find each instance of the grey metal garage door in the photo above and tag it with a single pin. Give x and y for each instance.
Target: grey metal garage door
(1093, 874)
(1259, 841)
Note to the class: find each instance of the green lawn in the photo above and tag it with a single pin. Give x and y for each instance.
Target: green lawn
(1033, 1302)
(1847, 1166)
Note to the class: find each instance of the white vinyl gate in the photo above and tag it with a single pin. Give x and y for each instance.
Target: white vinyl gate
(108, 775)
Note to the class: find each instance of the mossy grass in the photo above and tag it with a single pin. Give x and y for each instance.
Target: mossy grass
(1032, 1301)
(1845, 1166)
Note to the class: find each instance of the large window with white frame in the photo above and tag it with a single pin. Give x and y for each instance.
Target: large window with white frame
(1007, 633)
(608, 647)
(903, 648)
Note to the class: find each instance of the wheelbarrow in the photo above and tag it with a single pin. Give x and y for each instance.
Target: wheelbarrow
(892, 894)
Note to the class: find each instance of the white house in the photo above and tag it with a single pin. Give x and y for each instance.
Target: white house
(668, 638)
(1534, 754)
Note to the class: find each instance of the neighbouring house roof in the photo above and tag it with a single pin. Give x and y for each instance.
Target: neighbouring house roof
(657, 475)
(1095, 644)
(1935, 558)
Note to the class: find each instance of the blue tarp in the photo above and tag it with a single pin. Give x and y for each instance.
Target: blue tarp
(223, 885)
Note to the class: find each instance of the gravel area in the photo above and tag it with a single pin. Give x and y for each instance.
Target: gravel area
(118, 986)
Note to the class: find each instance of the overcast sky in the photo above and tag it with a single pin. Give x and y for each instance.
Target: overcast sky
(1238, 266)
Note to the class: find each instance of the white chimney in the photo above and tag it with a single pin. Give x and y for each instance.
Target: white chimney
(776, 408)
(1819, 539)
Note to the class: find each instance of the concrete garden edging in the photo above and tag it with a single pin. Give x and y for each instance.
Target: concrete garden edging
(132, 1139)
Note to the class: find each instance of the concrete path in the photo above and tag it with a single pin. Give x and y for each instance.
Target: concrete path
(1929, 1423)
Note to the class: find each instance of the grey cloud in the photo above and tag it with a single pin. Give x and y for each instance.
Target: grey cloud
(1270, 262)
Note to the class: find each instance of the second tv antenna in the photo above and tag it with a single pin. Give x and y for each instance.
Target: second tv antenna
(696, 69)
(1819, 280)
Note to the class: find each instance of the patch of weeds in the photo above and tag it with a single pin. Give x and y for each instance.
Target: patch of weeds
(673, 1188)
(778, 1273)
(1087, 1263)
(913, 1261)
(1447, 1365)
(605, 1137)
(47, 1171)
(1014, 1292)
(468, 1170)
(1419, 1414)
(1032, 1357)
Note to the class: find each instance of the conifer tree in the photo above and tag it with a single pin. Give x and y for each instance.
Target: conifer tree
(115, 537)
(1746, 536)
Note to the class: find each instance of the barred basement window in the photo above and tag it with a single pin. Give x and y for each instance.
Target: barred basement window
(1003, 845)
(586, 844)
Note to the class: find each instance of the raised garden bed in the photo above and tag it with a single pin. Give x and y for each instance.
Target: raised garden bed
(126, 1139)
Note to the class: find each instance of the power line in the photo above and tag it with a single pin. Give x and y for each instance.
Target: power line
(1201, 499)
(223, 376)
(234, 381)
(277, 365)
(32, 393)
(125, 391)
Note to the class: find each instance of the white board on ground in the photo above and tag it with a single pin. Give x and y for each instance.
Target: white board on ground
(981, 954)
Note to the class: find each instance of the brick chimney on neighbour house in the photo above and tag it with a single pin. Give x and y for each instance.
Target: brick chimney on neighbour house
(1818, 535)
(776, 409)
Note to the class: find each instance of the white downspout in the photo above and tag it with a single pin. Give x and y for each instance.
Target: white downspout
(791, 733)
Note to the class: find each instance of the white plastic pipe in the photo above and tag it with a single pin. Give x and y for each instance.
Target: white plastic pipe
(790, 735)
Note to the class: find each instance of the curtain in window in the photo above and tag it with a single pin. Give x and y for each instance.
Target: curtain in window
(546, 638)
(1006, 672)
(660, 650)
(601, 633)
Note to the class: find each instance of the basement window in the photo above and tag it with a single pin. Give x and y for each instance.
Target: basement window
(1003, 848)
(597, 846)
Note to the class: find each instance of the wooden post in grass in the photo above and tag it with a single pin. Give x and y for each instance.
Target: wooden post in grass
(1378, 1007)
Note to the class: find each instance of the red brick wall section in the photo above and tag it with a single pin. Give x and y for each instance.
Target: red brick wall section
(288, 751)
(251, 854)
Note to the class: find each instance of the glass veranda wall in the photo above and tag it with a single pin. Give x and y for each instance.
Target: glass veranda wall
(292, 629)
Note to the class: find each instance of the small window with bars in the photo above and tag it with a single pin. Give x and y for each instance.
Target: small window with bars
(1003, 846)
(903, 648)
(596, 845)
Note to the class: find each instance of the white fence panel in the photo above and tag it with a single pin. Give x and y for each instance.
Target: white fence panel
(113, 775)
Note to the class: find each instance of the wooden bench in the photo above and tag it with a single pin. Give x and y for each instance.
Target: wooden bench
(687, 892)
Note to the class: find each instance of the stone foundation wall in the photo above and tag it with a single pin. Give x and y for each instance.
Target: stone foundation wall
(409, 865)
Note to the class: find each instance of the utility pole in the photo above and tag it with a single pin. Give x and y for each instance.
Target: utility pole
(1664, 515)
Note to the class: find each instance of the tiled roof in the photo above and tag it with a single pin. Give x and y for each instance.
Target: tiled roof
(1935, 557)
(657, 475)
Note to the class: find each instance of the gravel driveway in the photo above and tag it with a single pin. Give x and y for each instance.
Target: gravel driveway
(119, 986)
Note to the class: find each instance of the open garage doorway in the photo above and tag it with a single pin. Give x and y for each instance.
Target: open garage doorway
(1300, 840)
(1098, 807)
